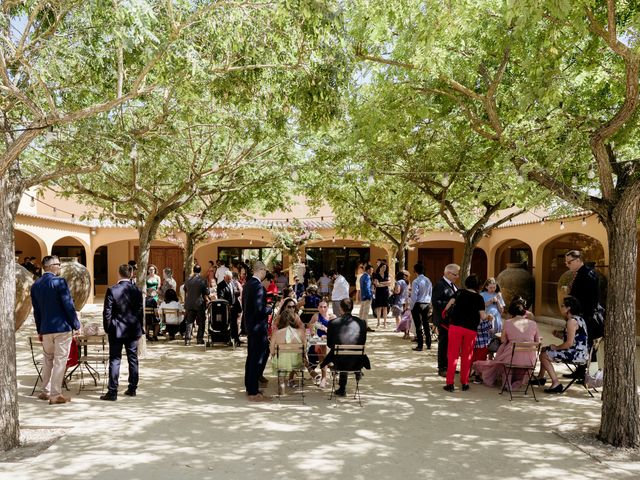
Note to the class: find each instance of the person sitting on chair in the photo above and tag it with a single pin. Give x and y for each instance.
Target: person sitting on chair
(174, 318)
(573, 349)
(316, 354)
(346, 330)
(289, 332)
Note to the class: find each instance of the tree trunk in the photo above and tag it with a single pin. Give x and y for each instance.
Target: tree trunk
(146, 235)
(619, 424)
(189, 248)
(400, 259)
(465, 266)
(10, 192)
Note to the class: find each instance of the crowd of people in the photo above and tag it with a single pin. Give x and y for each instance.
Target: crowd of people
(466, 318)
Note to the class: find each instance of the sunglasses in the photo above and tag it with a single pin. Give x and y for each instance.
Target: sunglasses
(290, 306)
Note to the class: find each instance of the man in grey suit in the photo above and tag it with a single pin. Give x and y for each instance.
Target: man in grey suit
(123, 315)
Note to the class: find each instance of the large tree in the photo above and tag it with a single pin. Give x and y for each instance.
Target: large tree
(554, 85)
(65, 63)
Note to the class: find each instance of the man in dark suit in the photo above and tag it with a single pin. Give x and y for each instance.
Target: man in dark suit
(56, 318)
(585, 287)
(256, 313)
(196, 294)
(346, 330)
(226, 292)
(123, 315)
(443, 290)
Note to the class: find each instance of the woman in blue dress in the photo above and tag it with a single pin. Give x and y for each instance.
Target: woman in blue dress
(319, 324)
(493, 302)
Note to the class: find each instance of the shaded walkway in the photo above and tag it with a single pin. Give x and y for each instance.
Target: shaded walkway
(192, 420)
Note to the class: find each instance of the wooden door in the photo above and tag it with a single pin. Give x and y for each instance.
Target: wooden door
(434, 261)
(162, 257)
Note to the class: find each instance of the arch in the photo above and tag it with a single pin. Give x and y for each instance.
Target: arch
(479, 263)
(512, 250)
(71, 246)
(29, 245)
(552, 264)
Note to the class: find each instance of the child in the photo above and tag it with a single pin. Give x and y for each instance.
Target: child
(481, 350)
(405, 321)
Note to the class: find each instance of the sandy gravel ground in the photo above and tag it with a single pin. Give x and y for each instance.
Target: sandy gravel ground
(191, 419)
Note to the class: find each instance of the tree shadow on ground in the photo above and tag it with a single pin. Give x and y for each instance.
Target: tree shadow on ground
(191, 419)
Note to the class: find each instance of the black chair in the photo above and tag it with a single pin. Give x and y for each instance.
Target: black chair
(527, 369)
(348, 354)
(573, 366)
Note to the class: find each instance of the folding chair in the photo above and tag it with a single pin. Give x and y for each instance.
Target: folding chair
(348, 354)
(526, 368)
(94, 354)
(290, 358)
(34, 341)
(573, 366)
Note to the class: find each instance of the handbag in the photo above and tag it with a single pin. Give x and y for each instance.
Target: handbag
(494, 344)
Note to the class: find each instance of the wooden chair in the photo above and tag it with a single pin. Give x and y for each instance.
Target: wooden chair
(526, 368)
(94, 355)
(289, 358)
(573, 366)
(348, 353)
(307, 314)
(171, 314)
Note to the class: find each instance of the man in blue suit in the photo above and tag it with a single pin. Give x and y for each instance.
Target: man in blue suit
(256, 313)
(56, 318)
(122, 317)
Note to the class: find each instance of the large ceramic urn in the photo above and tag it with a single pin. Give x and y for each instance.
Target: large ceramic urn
(24, 280)
(78, 278)
(516, 281)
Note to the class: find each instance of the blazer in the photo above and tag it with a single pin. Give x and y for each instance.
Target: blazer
(254, 306)
(347, 330)
(225, 292)
(123, 312)
(442, 293)
(53, 308)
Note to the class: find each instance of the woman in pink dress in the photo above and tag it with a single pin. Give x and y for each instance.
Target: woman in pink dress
(519, 328)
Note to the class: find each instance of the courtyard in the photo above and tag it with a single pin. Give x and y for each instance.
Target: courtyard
(191, 420)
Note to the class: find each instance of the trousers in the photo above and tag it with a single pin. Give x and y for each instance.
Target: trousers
(461, 341)
(443, 345)
(257, 356)
(55, 348)
(420, 314)
(115, 356)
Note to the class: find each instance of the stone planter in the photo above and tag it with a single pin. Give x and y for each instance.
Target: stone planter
(24, 281)
(78, 278)
(516, 281)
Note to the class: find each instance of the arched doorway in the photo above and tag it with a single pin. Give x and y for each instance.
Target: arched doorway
(513, 251)
(27, 245)
(479, 264)
(553, 265)
(70, 247)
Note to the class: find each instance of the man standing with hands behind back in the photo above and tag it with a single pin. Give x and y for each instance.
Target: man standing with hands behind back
(256, 313)
(56, 318)
(122, 317)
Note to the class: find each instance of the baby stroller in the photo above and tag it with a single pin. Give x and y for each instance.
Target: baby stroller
(219, 328)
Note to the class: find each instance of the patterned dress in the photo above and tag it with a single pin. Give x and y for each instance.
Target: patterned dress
(579, 351)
